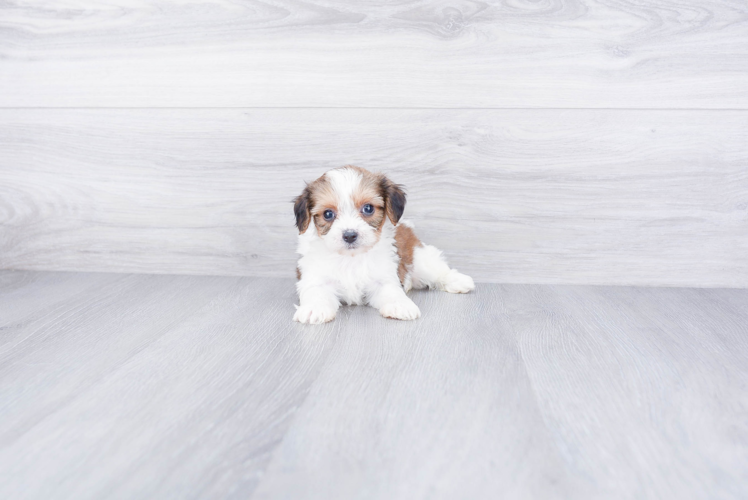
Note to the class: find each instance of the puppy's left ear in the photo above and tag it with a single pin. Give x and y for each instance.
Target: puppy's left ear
(302, 206)
(394, 199)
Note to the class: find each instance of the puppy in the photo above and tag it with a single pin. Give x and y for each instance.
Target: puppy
(355, 249)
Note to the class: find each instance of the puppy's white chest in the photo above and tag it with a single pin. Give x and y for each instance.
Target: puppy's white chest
(351, 285)
(352, 277)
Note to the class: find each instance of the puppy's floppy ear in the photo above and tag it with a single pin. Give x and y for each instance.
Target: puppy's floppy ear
(302, 206)
(394, 199)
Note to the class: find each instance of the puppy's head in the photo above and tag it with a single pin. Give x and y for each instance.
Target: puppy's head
(348, 207)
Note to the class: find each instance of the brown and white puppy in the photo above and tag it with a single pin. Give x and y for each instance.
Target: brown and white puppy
(356, 249)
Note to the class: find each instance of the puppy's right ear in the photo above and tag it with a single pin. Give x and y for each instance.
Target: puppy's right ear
(302, 206)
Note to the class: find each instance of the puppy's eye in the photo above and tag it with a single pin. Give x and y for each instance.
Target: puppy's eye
(328, 215)
(368, 209)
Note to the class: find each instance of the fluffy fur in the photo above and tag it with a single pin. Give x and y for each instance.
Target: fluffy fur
(355, 249)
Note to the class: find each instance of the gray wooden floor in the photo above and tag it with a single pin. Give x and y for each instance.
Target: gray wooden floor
(140, 386)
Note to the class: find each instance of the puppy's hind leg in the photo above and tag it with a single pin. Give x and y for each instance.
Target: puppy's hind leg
(430, 269)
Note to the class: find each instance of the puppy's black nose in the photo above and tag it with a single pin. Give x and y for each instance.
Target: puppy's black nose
(350, 236)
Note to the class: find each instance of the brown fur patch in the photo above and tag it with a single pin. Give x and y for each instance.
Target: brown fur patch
(369, 192)
(298, 274)
(321, 198)
(373, 190)
(323, 226)
(375, 220)
(406, 241)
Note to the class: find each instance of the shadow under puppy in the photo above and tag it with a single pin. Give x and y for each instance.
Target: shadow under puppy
(360, 251)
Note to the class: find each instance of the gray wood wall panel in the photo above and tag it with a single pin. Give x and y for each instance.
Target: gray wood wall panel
(523, 53)
(650, 197)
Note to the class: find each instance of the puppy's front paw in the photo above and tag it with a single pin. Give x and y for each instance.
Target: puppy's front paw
(404, 309)
(455, 282)
(314, 314)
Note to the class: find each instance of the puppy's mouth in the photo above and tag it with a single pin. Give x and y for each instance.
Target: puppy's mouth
(352, 249)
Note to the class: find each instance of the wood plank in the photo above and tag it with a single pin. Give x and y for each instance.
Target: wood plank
(533, 196)
(200, 387)
(437, 408)
(152, 386)
(283, 53)
(23, 294)
(641, 391)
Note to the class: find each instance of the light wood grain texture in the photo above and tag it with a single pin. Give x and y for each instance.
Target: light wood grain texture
(671, 366)
(140, 386)
(520, 53)
(439, 408)
(534, 196)
(641, 391)
(126, 386)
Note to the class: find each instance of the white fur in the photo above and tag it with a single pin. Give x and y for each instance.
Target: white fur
(332, 272)
(430, 269)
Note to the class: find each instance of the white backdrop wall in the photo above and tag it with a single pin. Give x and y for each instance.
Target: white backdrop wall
(540, 141)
